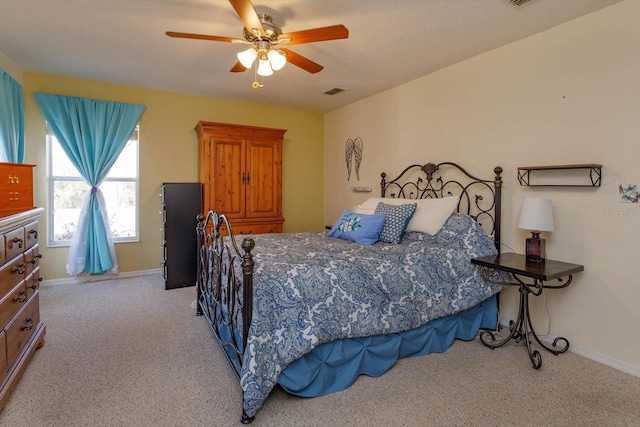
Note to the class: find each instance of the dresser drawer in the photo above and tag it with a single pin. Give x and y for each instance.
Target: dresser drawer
(3, 354)
(11, 303)
(31, 234)
(32, 259)
(252, 229)
(3, 251)
(16, 176)
(11, 274)
(246, 229)
(22, 327)
(14, 242)
(14, 201)
(242, 229)
(272, 228)
(32, 282)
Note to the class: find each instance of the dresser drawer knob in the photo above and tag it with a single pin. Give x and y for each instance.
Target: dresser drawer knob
(27, 326)
(22, 297)
(18, 268)
(34, 232)
(15, 240)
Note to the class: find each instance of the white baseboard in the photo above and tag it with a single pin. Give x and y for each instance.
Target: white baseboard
(588, 353)
(605, 360)
(83, 279)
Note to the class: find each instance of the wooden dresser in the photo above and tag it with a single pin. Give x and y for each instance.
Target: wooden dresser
(21, 331)
(240, 168)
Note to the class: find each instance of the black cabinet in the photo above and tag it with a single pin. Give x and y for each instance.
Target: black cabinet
(181, 204)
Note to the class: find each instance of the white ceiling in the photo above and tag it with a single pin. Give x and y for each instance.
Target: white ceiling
(390, 42)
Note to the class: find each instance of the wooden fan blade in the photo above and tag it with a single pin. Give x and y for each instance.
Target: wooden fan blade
(238, 68)
(333, 32)
(248, 14)
(199, 37)
(302, 62)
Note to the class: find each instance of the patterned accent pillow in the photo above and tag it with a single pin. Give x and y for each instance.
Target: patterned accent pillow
(359, 228)
(430, 215)
(395, 224)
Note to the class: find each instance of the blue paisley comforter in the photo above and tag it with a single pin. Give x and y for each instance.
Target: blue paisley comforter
(310, 288)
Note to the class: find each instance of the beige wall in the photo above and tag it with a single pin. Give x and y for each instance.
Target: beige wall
(10, 68)
(568, 95)
(168, 153)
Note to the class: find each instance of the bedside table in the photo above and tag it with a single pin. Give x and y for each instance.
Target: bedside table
(535, 274)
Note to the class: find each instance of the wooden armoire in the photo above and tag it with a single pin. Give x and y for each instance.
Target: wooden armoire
(240, 168)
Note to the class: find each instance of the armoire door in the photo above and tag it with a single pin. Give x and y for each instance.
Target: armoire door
(229, 180)
(263, 186)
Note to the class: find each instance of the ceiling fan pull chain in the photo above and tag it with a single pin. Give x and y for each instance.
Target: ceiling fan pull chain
(255, 83)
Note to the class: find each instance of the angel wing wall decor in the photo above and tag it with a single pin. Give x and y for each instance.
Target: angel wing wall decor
(353, 151)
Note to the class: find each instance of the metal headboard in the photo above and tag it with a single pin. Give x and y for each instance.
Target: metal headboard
(479, 198)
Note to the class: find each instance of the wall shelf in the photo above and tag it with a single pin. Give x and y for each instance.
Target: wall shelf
(579, 175)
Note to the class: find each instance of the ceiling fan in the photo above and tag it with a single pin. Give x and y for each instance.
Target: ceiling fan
(266, 39)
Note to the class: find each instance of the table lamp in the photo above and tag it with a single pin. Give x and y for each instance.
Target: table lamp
(536, 215)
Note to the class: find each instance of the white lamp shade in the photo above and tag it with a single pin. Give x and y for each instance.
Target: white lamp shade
(536, 215)
(264, 69)
(277, 59)
(246, 57)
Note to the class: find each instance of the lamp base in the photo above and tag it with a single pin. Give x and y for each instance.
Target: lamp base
(536, 248)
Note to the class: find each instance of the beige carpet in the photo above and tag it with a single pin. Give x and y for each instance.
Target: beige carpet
(129, 353)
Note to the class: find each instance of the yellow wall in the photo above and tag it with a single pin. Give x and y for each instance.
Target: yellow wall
(568, 95)
(168, 153)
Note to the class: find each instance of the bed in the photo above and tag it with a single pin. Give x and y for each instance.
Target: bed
(313, 311)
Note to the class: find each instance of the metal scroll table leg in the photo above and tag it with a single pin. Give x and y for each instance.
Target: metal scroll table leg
(521, 328)
(555, 349)
(488, 338)
(534, 355)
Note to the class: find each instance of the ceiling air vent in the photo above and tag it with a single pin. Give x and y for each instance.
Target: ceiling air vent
(334, 91)
(518, 2)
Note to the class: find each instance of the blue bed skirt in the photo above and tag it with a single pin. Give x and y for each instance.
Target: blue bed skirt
(336, 365)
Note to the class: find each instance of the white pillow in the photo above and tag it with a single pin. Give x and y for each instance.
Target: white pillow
(430, 214)
(366, 211)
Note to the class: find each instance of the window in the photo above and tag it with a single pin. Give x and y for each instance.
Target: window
(67, 188)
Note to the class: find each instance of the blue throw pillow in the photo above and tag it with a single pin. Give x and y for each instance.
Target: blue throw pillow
(359, 228)
(396, 222)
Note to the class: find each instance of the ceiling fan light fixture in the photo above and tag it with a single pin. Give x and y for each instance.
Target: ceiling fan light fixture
(246, 57)
(277, 59)
(263, 36)
(264, 68)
